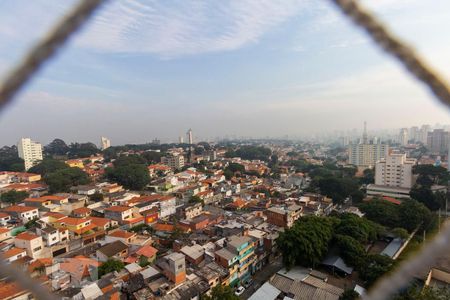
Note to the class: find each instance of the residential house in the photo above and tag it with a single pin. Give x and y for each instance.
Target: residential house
(32, 244)
(115, 250)
(23, 213)
(120, 235)
(5, 234)
(119, 213)
(14, 254)
(174, 267)
(4, 219)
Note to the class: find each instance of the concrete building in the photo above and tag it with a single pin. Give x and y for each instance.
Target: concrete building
(403, 137)
(423, 134)
(174, 267)
(366, 155)
(173, 161)
(366, 152)
(105, 143)
(438, 141)
(32, 244)
(284, 217)
(395, 170)
(190, 137)
(30, 151)
(414, 134)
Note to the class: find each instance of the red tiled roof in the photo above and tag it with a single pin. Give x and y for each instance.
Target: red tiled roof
(12, 252)
(26, 236)
(121, 234)
(99, 221)
(10, 289)
(118, 208)
(72, 221)
(4, 230)
(392, 200)
(147, 251)
(17, 208)
(81, 210)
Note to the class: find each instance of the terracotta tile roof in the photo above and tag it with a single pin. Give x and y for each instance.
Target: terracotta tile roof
(12, 252)
(121, 234)
(81, 210)
(55, 215)
(26, 236)
(8, 290)
(38, 200)
(3, 215)
(53, 197)
(147, 251)
(118, 208)
(163, 227)
(40, 262)
(20, 209)
(130, 259)
(84, 229)
(97, 221)
(23, 187)
(392, 200)
(4, 230)
(72, 221)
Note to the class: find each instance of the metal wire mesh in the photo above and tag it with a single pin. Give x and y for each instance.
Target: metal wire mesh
(379, 33)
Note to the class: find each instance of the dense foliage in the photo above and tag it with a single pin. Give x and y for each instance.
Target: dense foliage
(109, 266)
(408, 215)
(57, 147)
(306, 243)
(80, 150)
(129, 171)
(250, 152)
(10, 160)
(13, 196)
(59, 176)
(220, 292)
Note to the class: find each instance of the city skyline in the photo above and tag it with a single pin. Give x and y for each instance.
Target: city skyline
(221, 68)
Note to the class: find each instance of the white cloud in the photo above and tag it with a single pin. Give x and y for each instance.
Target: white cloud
(186, 27)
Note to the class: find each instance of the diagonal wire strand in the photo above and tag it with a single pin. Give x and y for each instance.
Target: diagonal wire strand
(45, 49)
(396, 47)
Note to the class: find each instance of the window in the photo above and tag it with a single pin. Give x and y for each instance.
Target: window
(37, 249)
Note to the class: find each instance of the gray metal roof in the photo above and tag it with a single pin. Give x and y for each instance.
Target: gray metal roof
(265, 292)
(392, 248)
(338, 263)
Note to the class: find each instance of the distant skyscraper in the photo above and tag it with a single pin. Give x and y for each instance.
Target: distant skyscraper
(190, 137)
(181, 140)
(403, 136)
(423, 134)
(105, 142)
(367, 152)
(414, 133)
(437, 141)
(30, 152)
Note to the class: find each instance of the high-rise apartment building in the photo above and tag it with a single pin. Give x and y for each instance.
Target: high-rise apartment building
(395, 170)
(367, 152)
(438, 141)
(190, 137)
(30, 151)
(105, 142)
(175, 161)
(423, 134)
(414, 133)
(403, 137)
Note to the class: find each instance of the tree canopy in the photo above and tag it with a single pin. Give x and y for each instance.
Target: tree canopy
(337, 188)
(48, 165)
(109, 266)
(57, 147)
(306, 243)
(10, 160)
(13, 196)
(220, 292)
(62, 180)
(79, 150)
(131, 176)
(250, 152)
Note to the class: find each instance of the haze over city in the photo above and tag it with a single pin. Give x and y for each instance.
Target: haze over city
(246, 68)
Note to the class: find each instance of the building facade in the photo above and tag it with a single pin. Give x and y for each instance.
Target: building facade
(395, 170)
(30, 151)
(173, 161)
(105, 143)
(366, 154)
(437, 141)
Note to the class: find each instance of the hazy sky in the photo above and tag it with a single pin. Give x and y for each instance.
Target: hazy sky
(146, 69)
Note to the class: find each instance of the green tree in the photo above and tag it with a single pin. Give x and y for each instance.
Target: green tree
(143, 261)
(376, 265)
(424, 195)
(79, 150)
(412, 214)
(360, 229)
(349, 295)
(220, 292)
(337, 188)
(351, 251)
(109, 266)
(195, 199)
(62, 180)
(48, 165)
(10, 160)
(368, 176)
(307, 241)
(381, 212)
(13, 196)
(126, 160)
(57, 147)
(400, 232)
(134, 176)
(96, 197)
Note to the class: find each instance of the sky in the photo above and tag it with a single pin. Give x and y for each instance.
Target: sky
(145, 69)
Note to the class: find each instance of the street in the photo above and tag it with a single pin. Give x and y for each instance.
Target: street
(262, 276)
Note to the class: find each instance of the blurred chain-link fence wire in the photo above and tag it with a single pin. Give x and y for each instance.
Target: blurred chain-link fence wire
(375, 29)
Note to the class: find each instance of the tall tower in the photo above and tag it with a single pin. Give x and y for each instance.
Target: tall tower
(105, 143)
(180, 140)
(364, 141)
(189, 137)
(30, 151)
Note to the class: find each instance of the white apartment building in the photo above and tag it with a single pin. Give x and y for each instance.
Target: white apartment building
(30, 151)
(366, 154)
(105, 143)
(403, 137)
(173, 161)
(395, 171)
